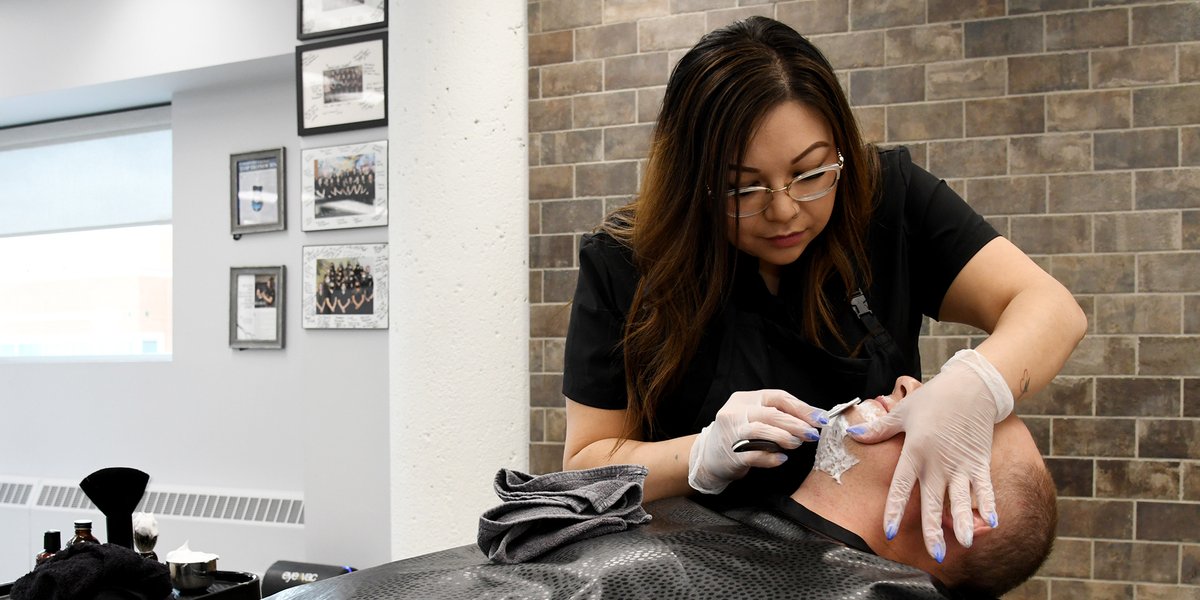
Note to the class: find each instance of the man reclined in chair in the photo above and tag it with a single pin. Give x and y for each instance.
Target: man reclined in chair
(825, 540)
(848, 512)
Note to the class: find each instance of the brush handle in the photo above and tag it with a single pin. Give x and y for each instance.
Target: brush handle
(120, 529)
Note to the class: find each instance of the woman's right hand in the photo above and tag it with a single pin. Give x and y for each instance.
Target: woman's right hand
(773, 415)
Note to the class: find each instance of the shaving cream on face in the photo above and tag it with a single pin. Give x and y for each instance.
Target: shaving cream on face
(869, 411)
(832, 457)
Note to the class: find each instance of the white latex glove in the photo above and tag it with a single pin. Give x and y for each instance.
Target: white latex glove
(948, 425)
(773, 415)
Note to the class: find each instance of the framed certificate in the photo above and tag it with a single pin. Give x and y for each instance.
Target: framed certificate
(257, 194)
(256, 307)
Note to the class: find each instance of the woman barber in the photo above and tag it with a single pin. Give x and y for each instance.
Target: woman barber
(774, 265)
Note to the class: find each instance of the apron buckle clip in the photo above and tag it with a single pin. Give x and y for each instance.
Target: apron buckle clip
(859, 303)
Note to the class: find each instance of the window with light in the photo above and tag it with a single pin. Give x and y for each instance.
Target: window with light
(85, 238)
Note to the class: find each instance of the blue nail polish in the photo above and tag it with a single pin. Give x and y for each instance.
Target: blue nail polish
(782, 458)
(939, 553)
(820, 416)
(993, 520)
(891, 530)
(857, 430)
(812, 436)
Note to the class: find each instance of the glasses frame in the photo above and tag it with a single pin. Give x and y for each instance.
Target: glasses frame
(836, 167)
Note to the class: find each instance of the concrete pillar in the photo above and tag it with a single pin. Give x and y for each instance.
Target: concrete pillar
(458, 245)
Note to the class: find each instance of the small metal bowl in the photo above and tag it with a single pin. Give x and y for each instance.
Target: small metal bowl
(192, 578)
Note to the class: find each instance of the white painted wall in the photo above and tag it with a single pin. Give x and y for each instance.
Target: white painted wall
(67, 44)
(459, 242)
(311, 418)
(317, 411)
(82, 56)
(314, 417)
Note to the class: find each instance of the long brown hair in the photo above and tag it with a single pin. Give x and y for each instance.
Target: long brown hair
(717, 95)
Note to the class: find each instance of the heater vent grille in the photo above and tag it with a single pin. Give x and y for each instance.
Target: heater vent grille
(64, 496)
(181, 504)
(229, 508)
(15, 493)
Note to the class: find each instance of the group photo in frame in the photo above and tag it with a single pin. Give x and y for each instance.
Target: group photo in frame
(256, 307)
(342, 84)
(320, 18)
(257, 191)
(345, 287)
(344, 186)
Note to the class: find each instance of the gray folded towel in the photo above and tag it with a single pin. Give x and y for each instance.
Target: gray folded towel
(541, 513)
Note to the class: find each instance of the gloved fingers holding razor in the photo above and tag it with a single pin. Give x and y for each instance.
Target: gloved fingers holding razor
(775, 418)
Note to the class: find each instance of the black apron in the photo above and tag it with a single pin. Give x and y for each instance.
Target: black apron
(760, 349)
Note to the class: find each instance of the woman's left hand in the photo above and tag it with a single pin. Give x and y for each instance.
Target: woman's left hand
(948, 425)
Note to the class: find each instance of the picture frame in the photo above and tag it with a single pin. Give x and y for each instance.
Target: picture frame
(257, 191)
(345, 287)
(321, 18)
(256, 307)
(344, 186)
(342, 84)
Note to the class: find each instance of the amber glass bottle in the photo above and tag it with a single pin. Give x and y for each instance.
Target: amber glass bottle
(83, 533)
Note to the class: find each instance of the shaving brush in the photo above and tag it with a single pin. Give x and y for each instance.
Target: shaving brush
(145, 535)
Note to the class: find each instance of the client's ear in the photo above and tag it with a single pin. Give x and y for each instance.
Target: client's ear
(981, 527)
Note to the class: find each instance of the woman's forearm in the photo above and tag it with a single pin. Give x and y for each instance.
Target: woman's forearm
(666, 462)
(1033, 320)
(1034, 336)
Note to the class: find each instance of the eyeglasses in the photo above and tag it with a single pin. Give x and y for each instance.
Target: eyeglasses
(805, 187)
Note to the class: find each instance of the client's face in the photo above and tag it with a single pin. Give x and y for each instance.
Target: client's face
(873, 407)
(1011, 442)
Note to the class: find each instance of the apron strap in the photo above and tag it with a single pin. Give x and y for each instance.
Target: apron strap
(859, 303)
(888, 361)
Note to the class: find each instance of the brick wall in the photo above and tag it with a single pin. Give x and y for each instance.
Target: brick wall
(1073, 126)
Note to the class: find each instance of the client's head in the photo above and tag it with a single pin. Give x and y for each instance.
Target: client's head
(999, 559)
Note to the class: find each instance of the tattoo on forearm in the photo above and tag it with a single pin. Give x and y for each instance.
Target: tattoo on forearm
(1024, 384)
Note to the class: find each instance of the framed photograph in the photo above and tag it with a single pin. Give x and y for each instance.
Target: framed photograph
(345, 287)
(342, 84)
(256, 307)
(319, 18)
(344, 186)
(257, 193)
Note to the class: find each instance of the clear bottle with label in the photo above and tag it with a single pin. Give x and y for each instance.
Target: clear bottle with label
(52, 543)
(83, 533)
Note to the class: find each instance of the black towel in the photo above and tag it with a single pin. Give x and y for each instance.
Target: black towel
(541, 513)
(89, 571)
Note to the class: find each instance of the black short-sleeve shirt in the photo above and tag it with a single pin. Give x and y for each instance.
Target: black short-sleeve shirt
(921, 235)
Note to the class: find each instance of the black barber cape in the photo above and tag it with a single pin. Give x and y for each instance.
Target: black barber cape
(686, 551)
(921, 235)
